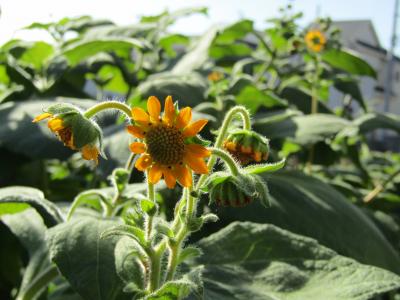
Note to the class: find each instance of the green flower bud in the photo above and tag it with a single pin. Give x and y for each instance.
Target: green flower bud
(247, 146)
(237, 191)
(74, 129)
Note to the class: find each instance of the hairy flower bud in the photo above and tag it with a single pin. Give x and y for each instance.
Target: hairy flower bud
(74, 129)
(237, 191)
(247, 146)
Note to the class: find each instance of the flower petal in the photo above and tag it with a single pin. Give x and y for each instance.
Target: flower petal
(90, 152)
(184, 117)
(195, 163)
(155, 173)
(184, 175)
(169, 178)
(194, 128)
(197, 150)
(143, 162)
(136, 131)
(55, 124)
(169, 111)
(154, 108)
(137, 147)
(41, 117)
(139, 115)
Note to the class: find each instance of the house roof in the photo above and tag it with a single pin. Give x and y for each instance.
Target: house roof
(367, 23)
(377, 49)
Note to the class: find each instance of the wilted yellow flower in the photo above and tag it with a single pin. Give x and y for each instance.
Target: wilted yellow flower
(62, 126)
(167, 148)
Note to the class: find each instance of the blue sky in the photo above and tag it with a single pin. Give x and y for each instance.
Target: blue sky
(19, 13)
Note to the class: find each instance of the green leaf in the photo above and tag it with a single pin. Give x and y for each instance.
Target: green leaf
(11, 199)
(169, 42)
(370, 122)
(149, 207)
(267, 167)
(260, 261)
(197, 55)
(164, 229)
(119, 179)
(348, 61)
(302, 100)
(349, 86)
(305, 205)
(126, 230)
(127, 266)
(86, 260)
(93, 198)
(172, 290)
(77, 52)
(28, 227)
(234, 32)
(188, 253)
(252, 97)
(37, 55)
(304, 130)
(189, 89)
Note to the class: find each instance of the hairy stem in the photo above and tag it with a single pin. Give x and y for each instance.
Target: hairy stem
(237, 110)
(227, 158)
(176, 245)
(39, 283)
(314, 107)
(108, 105)
(155, 270)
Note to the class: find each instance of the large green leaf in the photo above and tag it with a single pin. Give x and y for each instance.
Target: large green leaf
(350, 87)
(304, 130)
(17, 198)
(28, 227)
(189, 89)
(370, 122)
(348, 61)
(310, 207)
(197, 55)
(302, 100)
(86, 260)
(261, 261)
(77, 52)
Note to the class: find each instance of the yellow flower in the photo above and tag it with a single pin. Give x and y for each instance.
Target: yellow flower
(65, 135)
(167, 149)
(215, 76)
(315, 40)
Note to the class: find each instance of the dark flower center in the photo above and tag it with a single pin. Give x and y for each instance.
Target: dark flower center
(165, 144)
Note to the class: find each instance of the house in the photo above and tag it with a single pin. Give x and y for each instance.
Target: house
(360, 36)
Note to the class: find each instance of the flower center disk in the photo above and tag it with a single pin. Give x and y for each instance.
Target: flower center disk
(165, 144)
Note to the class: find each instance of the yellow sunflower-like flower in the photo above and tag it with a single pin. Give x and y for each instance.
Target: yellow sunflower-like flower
(315, 40)
(167, 148)
(65, 134)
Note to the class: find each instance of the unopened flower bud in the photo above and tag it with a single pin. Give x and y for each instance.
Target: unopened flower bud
(247, 146)
(237, 191)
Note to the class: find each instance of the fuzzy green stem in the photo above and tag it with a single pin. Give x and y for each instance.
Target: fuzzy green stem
(227, 158)
(129, 162)
(108, 105)
(155, 270)
(314, 107)
(237, 110)
(151, 196)
(39, 283)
